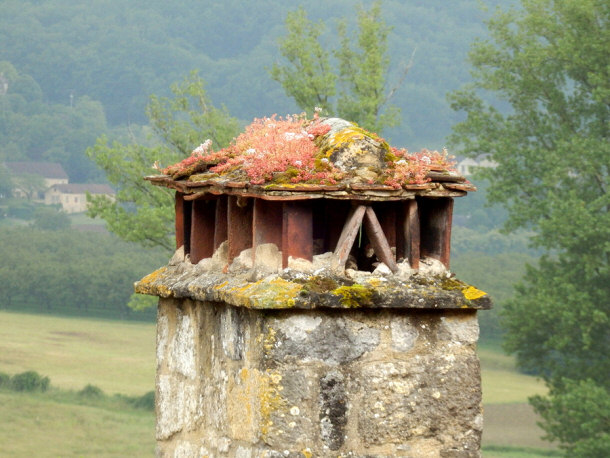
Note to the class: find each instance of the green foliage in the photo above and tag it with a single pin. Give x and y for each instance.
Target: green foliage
(140, 212)
(578, 415)
(31, 128)
(50, 219)
(60, 272)
(494, 272)
(5, 380)
(144, 402)
(548, 61)
(363, 73)
(29, 381)
(6, 184)
(360, 81)
(91, 392)
(309, 78)
(21, 209)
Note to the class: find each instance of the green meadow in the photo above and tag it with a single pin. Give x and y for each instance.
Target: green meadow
(119, 358)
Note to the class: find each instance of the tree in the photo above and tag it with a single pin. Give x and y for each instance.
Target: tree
(546, 67)
(140, 212)
(361, 79)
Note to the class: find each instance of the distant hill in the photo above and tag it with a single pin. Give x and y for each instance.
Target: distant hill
(120, 52)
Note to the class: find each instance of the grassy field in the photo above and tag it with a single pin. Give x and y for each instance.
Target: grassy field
(120, 358)
(34, 425)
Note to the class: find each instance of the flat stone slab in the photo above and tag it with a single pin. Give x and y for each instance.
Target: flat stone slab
(291, 289)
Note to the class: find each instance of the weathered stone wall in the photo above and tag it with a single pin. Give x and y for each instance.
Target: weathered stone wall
(247, 383)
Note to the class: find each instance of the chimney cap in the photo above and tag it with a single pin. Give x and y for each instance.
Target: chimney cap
(295, 158)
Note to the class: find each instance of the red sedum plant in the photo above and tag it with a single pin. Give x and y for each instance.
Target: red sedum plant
(284, 150)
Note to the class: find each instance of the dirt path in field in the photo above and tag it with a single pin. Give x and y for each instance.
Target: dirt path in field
(512, 424)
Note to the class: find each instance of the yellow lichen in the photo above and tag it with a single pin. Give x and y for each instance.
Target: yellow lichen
(269, 340)
(221, 285)
(270, 400)
(354, 296)
(471, 293)
(148, 285)
(273, 294)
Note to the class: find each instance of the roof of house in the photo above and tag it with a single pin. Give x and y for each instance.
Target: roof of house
(51, 170)
(297, 158)
(77, 188)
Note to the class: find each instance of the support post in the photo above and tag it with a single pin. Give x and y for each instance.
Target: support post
(179, 222)
(239, 225)
(408, 234)
(267, 221)
(297, 231)
(436, 215)
(202, 229)
(220, 229)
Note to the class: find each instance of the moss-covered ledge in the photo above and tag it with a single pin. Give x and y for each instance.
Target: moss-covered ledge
(299, 290)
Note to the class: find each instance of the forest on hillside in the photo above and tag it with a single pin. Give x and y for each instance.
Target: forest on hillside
(73, 71)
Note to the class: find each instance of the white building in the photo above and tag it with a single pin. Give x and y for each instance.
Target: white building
(73, 197)
(467, 166)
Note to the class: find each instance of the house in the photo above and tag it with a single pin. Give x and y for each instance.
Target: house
(25, 174)
(468, 166)
(73, 197)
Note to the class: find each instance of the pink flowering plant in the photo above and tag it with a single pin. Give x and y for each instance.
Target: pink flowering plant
(412, 168)
(270, 149)
(284, 151)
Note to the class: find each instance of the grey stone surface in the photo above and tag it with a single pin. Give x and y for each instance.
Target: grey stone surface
(302, 383)
(404, 333)
(335, 340)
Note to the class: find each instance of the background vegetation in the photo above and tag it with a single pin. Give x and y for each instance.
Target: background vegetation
(539, 104)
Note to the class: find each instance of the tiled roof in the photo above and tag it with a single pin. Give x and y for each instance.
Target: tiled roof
(44, 169)
(83, 188)
(319, 158)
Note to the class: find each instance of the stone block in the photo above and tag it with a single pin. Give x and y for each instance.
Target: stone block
(235, 382)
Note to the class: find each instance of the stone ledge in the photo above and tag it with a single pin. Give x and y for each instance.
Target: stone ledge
(292, 289)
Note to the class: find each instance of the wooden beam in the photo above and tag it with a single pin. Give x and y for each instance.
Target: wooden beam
(267, 222)
(408, 233)
(386, 213)
(297, 231)
(221, 223)
(179, 220)
(446, 244)
(187, 209)
(436, 215)
(202, 229)
(378, 239)
(348, 234)
(239, 222)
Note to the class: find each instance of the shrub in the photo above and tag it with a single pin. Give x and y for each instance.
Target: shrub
(5, 380)
(29, 381)
(145, 402)
(91, 392)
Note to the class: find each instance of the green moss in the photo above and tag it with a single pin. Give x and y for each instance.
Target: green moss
(319, 284)
(451, 284)
(354, 296)
(391, 157)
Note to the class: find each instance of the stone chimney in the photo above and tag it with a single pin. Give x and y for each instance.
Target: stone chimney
(309, 309)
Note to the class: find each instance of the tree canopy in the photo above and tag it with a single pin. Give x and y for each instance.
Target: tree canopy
(358, 76)
(141, 212)
(545, 70)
